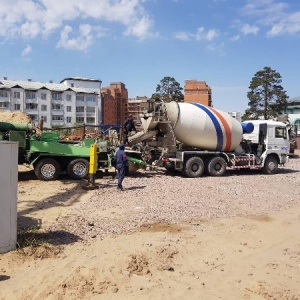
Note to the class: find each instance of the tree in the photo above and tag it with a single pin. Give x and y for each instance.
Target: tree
(169, 90)
(266, 97)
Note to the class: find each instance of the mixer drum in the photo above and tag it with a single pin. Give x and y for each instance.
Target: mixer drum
(199, 126)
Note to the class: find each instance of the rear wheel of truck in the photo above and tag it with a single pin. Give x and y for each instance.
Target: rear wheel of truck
(47, 169)
(216, 166)
(194, 167)
(78, 168)
(271, 165)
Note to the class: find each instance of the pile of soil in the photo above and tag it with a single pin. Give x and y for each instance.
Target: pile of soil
(14, 117)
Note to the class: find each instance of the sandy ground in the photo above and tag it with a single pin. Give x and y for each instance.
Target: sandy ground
(251, 254)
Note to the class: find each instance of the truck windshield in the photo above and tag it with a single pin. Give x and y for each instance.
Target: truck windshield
(280, 132)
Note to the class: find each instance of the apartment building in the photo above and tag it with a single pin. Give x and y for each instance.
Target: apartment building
(114, 103)
(197, 92)
(58, 104)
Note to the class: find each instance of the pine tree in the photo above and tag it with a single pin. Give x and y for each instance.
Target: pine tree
(266, 97)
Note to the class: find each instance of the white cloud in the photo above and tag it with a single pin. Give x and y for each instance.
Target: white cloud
(248, 29)
(183, 36)
(82, 41)
(26, 50)
(278, 16)
(268, 9)
(32, 18)
(209, 35)
(140, 28)
(288, 25)
(200, 35)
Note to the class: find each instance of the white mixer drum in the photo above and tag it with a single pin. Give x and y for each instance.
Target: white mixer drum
(204, 127)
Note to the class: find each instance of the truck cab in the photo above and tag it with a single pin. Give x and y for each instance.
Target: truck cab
(269, 139)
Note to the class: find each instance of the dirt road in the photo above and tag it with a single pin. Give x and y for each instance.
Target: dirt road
(164, 237)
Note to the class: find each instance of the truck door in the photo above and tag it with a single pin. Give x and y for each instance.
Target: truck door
(262, 139)
(278, 139)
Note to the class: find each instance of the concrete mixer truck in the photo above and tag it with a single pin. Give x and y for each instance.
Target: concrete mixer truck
(196, 139)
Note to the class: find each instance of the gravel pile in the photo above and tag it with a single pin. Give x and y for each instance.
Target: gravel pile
(157, 197)
(14, 117)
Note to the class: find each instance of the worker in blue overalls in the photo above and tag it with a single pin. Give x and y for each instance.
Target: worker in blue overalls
(121, 163)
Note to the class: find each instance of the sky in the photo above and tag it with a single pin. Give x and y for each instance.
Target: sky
(139, 42)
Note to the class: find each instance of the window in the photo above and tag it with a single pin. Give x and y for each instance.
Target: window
(4, 94)
(31, 106)
(79, 119)
(30, 95)
(79, 97)
(17, 106)
(90, 109)
(280, 132)
(44, 96)
(80, 109)
(33, 117)
(69, 108)
(56, 96)
(43, 107)
(69, 97)
(90, 120)
(57, 106)
(3, 104)
(44, 118)
(69, 119)
(57, 118)
(17, 95)
(91, 98)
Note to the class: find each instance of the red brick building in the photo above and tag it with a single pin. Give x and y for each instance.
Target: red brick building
(197, 92)
(114, 103)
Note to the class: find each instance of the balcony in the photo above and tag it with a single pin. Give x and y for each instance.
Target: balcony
(56, 101)
(59, 112)
(34, 100)
(57, 123)
(30, 111)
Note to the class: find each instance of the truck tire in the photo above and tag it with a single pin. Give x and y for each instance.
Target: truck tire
(194, 167)
(216, 166)
(169, 166)
(271, 165)
(78, 168)
(47, 169)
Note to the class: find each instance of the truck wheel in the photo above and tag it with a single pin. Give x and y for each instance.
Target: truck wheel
(216, 166)
(169, 166)
(271, 165)
(47, 169)
(194, 167)
(78, 168)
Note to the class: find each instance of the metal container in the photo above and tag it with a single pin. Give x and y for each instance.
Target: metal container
(196, 125)
(8, 195)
